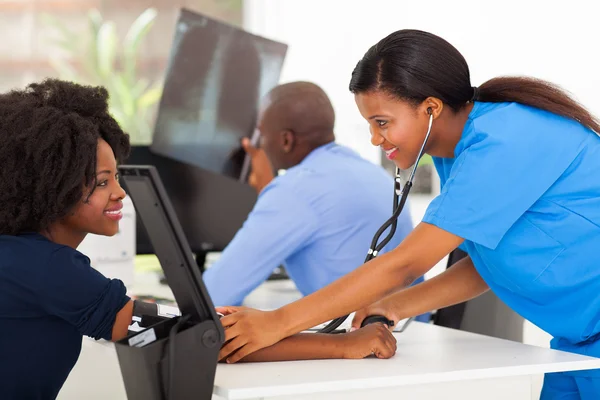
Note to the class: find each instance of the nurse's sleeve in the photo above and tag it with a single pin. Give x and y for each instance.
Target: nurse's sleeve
(75, 292)
(493, 182)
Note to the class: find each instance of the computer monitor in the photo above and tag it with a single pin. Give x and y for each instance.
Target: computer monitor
(216, 76)
(210, 207)
(153, 207)
(175, 358)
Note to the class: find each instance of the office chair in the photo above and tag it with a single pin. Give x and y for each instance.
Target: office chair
(486, 314)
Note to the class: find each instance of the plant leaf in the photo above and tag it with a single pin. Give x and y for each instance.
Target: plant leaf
(95, 22)
(57, 24)
(425, 160)
(128, 102)
(117, 115)
(64, 69)
(140, 87)
(132, 101)
(106, 46)
(95, 19)
(66, 39)
(136, 33)
(150, 97)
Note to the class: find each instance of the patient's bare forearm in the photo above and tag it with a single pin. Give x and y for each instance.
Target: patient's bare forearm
(459, 283)
(303, 346)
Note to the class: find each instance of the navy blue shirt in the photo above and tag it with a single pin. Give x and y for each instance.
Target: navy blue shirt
(50, 297)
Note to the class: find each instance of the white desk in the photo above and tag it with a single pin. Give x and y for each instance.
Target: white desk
(431, 363)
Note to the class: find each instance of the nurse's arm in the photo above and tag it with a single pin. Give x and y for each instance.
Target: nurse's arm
(423, 248)
(457, 284)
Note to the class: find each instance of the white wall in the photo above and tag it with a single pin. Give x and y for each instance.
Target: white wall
(554, 40)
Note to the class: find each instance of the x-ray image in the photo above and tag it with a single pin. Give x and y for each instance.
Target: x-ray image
(216, 77)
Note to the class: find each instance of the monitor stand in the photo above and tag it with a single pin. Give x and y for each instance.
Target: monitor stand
(279, 274)
(201, 260)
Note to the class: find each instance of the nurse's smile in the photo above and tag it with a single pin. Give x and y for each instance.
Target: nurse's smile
(391, 153)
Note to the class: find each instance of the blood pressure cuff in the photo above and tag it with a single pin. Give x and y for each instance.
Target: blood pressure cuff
(147, 314)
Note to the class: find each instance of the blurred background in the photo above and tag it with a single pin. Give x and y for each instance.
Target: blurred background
(125, 45)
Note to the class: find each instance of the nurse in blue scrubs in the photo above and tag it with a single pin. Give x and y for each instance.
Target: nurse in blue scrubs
(519, 163)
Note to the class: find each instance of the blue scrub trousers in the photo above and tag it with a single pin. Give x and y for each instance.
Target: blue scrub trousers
(565, 386)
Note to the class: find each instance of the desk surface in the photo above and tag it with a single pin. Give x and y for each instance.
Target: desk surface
(426, 354)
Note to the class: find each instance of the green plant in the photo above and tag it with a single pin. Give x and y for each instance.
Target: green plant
(234, 5)
(96, 58)
(426, 160)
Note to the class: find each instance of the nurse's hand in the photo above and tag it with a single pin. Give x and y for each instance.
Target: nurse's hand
(226, 310)
(249, 330)
(382, 307)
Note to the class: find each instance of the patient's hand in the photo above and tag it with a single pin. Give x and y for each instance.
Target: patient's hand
(374, 339)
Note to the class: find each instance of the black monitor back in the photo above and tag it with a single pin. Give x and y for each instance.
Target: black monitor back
(210, 207)
(175, 358)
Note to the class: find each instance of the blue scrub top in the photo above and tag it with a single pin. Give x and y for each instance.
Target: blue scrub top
(523, 190)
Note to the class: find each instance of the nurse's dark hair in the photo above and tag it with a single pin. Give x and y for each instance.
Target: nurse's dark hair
(48, 141)
(413, 65)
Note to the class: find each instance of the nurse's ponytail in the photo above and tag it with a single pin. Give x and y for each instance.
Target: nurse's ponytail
(536, 93)
(413, 65)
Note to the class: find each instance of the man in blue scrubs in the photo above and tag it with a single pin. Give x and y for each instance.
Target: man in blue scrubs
(318, 218)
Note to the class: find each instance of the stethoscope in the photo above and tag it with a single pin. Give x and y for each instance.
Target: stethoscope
(400, 196)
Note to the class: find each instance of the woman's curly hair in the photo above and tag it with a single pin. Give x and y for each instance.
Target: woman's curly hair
(48, 141)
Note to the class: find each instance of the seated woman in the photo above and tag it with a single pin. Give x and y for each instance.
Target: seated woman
(59, 149)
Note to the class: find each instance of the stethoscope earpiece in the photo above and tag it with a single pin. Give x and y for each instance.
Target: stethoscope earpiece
(430, 111)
